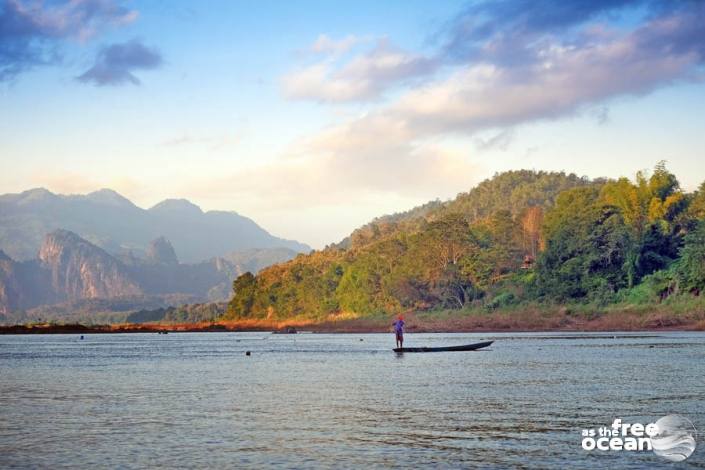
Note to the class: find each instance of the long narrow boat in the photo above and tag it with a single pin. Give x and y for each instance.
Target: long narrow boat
(464, 347)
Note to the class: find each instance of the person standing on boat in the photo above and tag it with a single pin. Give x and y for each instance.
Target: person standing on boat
(399, 331)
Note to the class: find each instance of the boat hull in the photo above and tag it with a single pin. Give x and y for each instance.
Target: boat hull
(464, 347)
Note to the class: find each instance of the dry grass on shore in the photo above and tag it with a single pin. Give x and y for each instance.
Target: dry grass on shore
(524, 318)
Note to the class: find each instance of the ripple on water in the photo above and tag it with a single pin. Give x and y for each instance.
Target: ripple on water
(195, 400)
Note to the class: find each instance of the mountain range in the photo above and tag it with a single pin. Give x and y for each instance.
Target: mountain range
(69, 270)
(113, 223)
(100, 251)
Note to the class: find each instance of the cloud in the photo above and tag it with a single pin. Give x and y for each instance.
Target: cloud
(426, 140)
(214, 142)
(324, 179)
(564, 78)
(30, 32)
(507, 30)
(519, 41)
(326, 45)
(363, 77)
(115, 64)
(398, 146)
(499, 141)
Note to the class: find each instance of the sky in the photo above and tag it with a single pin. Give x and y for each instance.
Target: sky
(314, 117)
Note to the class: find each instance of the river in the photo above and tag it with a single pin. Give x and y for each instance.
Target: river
(194, 400)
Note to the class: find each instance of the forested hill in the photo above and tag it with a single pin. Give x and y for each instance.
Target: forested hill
(522, 236)
(513, 191)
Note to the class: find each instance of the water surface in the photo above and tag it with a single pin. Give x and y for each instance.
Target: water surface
(188, 400)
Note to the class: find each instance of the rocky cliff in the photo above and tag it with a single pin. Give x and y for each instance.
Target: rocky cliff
(69, 269)
(10, 289)
(78, 269)
(161, 251)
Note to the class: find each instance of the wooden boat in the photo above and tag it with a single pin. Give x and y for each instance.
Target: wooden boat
(464, 347)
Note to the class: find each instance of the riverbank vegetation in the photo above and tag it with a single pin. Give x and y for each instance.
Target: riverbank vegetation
(676, 313)
(520, 242)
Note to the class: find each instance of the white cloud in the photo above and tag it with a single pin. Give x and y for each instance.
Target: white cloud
(415, 147)
(401, 146)
(328, 177)
(483, 96)
(211, 142)
(363, 77)
(324, 44)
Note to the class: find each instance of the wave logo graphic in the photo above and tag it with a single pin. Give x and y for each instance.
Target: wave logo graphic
(674, 439)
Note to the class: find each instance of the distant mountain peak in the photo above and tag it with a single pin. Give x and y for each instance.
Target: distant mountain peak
(113, 223)
(35, 194)
(57, 241)
(161, 251)
(78, 269)
(177, 206)
(108, 196)
(37, 191)
(61, 234)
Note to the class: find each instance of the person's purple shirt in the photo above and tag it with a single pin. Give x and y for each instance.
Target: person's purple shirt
(399, 326)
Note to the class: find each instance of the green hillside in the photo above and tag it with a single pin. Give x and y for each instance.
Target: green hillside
(520, 237)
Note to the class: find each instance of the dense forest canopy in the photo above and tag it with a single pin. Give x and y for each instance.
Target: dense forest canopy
(522, 236)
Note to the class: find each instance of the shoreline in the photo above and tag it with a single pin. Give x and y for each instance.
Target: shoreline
(521, 321)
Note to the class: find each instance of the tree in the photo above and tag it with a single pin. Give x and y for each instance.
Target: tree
(496, 250)
(690, 268)
(244, 288)
(568, 205)
(585, 251)
(531, 223)
(697, 205)
(448, 238)
(453, 289)
(650, 208)
(662, 183)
